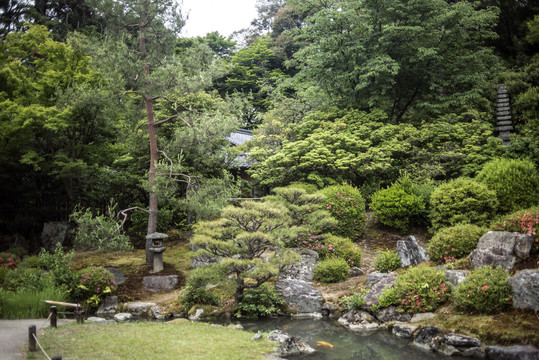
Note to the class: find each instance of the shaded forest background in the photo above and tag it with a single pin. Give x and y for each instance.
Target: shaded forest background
(334, 91)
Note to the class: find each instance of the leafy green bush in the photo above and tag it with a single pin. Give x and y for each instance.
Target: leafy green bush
(398, 205)
(30, 262)
(387, 261)
(3, 273)
(347, 206)
(485, 290)
(354, 301)
(418, 289)
(101, 232)
(199, 280)
(454, 242)
(190, 296)
(328, 246)
(57, 263)
(524, 221)
(260, 302)
(27, 279)
(28, 304)
(95, 282)
(331, 270)
(516, 182)
(462, 201)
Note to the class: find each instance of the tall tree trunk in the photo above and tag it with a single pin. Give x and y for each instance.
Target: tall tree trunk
(150, 121)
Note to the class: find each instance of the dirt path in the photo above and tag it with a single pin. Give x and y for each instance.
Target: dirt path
(14, 336)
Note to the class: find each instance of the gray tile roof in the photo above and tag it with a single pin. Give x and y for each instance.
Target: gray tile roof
(239, 137)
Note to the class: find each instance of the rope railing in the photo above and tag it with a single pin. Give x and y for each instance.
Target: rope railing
(32, 342)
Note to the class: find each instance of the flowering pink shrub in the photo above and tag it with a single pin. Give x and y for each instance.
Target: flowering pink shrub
(454, 242)
(96, 282)
(9, 260)
(347, 206)
(174, 235)
(485, 290)
(524, 221)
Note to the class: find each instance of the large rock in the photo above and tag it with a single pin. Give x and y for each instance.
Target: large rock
(304, 269)
(425, 337)
(119, 277)
(359, 321)
(404, 330)
(300, 295)
(455, 277)
(289, 345)
(375, 276)
(410, 252)
(501, 248)
(158, 283)
(123, 317)
(140, 308)
(391, 314)
(376, 291)
(109, 306)
(517, 352)
(525, 286)
(53, 233)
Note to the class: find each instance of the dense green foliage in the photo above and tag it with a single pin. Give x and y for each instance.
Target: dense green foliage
(347, 205)
(354, 301)
(485, 290)
(387, 261)
(398, 205)
(516, 183)
(95, 283)
(462, 201)
(525, 221)
(260, 302)
(418, 289)
(455, 242)
(329, 246)
(331, 270)
(28, 303)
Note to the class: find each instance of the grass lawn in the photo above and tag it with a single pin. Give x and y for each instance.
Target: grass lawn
(185, 340)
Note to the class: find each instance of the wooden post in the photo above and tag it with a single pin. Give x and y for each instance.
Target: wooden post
(54, 317)
(31, 338)
(78, 315)
(56, 357)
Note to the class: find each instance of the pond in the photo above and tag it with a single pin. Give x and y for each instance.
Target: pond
(379, 345)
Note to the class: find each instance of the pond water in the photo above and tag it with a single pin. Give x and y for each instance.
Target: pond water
(379, 345)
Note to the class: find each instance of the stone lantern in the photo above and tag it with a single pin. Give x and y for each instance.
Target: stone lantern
(157, 250)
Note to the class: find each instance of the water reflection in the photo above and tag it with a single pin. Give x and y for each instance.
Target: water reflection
(380, 345)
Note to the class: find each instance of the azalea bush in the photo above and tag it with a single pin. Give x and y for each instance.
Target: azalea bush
(419, 289)
(9, 260)
(331, 270)
(96, 283)
(524, 221)
(328, 246)
(346, 205)
(462, 201)
(516, 182)
(387, 261)
(486, 291)
(174, 235)
(455, 242)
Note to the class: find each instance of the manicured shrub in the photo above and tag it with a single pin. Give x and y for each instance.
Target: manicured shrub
(418, 289)
(485, 290)
(96, 283)
(328, 246)
(398, 206)
(196, 293)
(260, 302)
(524, 221)
(462, 201)
(455, 242)
(331, 270)
(100, 232)
(516, 182)
(27, 279)
(347, 206)
(190, 296)
(354, 301)
(387, 261)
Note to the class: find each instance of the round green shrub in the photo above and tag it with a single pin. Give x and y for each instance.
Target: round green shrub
(455, 242)
(516, 182)
(462, 201)
(259, 302)
(27, 279)
(346, 205)
(331, 270)
(95, 282)
(328, 246)
(354, 301)
(190, 296)
(524, 221)
(485, 290)
(398, 205)
(419, 289)
(387, 261)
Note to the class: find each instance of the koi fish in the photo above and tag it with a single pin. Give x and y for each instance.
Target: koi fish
(323, 343)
